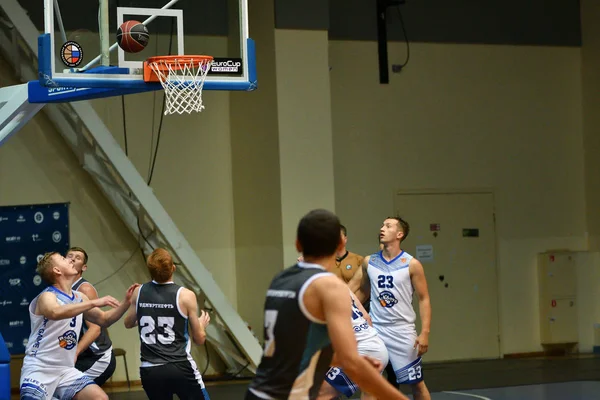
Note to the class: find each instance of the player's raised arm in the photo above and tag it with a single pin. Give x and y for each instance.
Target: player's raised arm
(48, 306)
(130, 320)
(189, 306)
(93, 330)
(107, 318)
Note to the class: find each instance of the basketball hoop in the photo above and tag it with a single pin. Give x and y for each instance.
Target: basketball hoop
(182, 78)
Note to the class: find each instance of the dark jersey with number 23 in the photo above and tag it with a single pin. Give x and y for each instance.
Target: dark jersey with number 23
(162, 328)
(297, 349)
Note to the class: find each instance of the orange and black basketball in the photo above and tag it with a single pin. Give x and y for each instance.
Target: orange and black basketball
(132, 36)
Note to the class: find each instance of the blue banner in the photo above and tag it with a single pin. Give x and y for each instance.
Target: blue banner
(26, 233)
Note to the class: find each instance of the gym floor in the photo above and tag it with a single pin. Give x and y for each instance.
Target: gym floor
(564, 378)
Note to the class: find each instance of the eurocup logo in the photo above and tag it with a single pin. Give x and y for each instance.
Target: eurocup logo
(38, 217)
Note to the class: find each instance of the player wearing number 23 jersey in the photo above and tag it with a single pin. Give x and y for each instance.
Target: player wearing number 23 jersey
(394, 276)
(166, 316)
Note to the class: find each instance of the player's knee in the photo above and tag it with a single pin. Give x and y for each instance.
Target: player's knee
(102, 396)
(91, 392)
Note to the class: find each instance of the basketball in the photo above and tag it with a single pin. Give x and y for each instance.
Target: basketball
(132, 36)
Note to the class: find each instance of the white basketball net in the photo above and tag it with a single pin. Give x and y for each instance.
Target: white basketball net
(182, 81)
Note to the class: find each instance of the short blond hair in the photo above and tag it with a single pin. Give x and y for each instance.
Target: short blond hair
(44, 267)
(160, 265)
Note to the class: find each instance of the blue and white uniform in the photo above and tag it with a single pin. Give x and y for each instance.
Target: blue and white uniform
(393, 314)
(49, 364)
(369, 344)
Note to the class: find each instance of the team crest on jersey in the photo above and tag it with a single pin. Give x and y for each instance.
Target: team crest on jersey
(403, 260)
(387, 299)
(68, 340)
(348, 266)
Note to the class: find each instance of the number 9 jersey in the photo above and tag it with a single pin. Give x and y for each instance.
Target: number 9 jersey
(391, 290)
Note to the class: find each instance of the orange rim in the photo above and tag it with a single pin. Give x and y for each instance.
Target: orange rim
(175, 62)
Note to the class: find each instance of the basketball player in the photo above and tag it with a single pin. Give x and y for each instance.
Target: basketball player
(307, 317)
(94, 357)
(56, 317)
(348, 265)
(390, 277)
(369, 344)
(166, 315)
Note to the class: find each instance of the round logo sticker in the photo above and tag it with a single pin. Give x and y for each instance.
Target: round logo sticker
(38, 217)
(71, 54)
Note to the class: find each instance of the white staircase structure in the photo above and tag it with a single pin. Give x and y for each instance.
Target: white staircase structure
(102, 157)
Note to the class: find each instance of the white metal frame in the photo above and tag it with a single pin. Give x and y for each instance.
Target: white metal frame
(15, 110)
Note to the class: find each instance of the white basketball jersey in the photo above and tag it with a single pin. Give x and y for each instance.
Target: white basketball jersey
(362, 329)
(391, 290)
(53, 343)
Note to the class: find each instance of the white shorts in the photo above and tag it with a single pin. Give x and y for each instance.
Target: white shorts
(372, 347)
(44, 383)
(404, 357)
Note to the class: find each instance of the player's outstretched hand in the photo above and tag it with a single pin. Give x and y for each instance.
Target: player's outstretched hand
(130, 291)
(106, 301)
(204, 318)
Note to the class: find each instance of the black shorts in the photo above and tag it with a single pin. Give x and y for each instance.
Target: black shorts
(99, 367)
(164, 381)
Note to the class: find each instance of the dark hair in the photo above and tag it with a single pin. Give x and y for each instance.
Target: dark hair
(404, 226)
(79, 249)
(343, 228)
(319, 233)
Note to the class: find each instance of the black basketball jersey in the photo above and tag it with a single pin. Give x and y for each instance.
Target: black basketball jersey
(102, 343)
(297, 349)
(163, 329)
